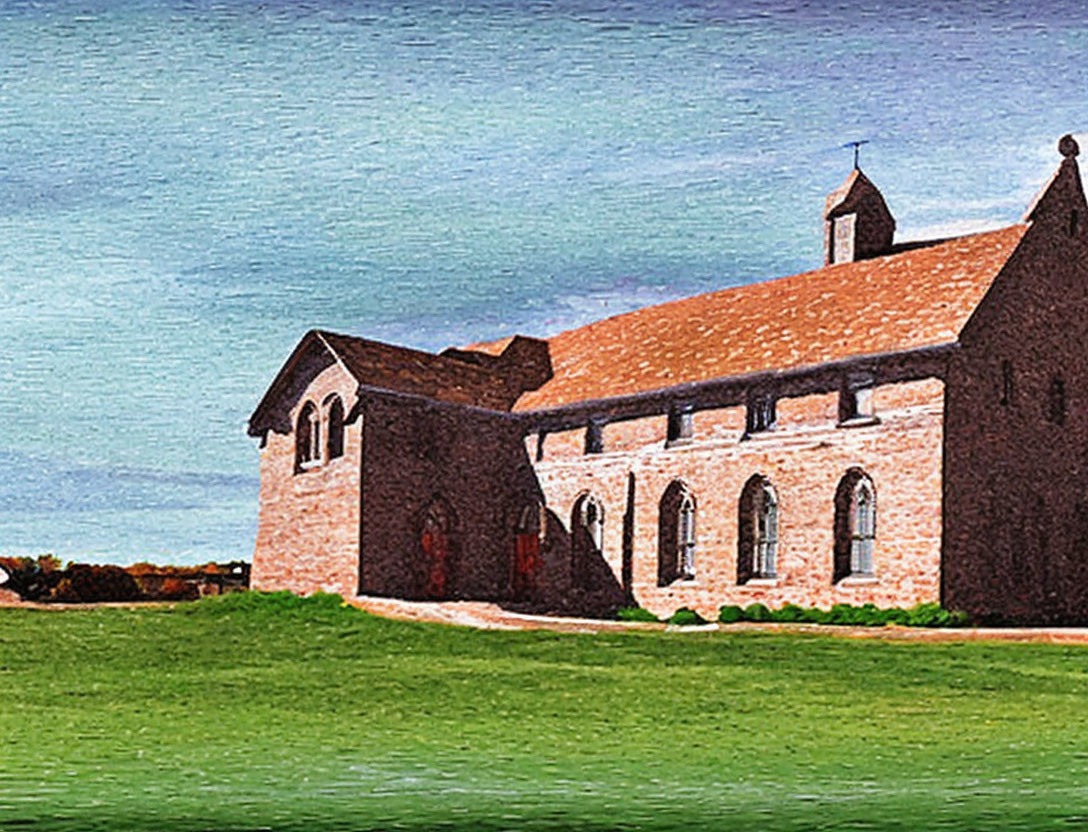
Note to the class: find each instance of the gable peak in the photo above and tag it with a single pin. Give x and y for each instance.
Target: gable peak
(1062, 197)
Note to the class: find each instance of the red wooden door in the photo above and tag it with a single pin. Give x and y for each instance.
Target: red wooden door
(436, 551)
(526, 563)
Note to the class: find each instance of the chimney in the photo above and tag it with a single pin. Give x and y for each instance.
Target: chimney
(857, 222)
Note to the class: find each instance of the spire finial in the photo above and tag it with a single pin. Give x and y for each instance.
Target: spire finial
(1068, 147)
(857, 146)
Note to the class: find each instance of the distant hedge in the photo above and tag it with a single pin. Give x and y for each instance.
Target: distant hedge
(43, 579)
(866, 615)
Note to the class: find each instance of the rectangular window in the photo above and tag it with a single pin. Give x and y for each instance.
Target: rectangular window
(761, 412)
(680, 425)
(594, 437)
(856, 398)
(1056, 410)
(1007, 388)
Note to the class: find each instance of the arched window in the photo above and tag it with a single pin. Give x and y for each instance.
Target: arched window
(676, 535)
(307, 437)
(686, 538)
(587, 536)
(334, 419)
(526, 550)
(855, 525)
(757, 538)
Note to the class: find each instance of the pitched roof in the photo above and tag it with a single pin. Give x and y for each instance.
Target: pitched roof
(420, 373)
(388, 367)
(920, 296)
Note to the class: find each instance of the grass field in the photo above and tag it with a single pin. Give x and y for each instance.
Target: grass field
(257, 712)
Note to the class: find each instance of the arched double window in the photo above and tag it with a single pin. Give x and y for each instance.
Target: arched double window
(676, 535)
(855, 525)
(757, 525)
(308, 437)
(587, 536)
(314, 425)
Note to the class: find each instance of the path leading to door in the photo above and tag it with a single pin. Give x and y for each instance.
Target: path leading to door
(487, 616)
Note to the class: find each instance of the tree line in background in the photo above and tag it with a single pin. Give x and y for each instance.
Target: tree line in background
(44, 579)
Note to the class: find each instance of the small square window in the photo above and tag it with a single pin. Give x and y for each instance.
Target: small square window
(594, 437)
(761, 412)
(680, 425)
(856, 399)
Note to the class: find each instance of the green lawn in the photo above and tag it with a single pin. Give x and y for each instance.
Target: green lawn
(252, 712)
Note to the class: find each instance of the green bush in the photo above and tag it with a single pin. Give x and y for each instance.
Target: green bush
(923, 615)
(842, 614)
(635, 614)
(757, 612)
(815, 615)
(958, 618)
(896, 615)
(866, 615)
(789, 614)
(686, 617)
(730, 614)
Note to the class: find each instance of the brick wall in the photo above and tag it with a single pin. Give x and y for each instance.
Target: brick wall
(474, 463)
(308, 526)
(1016, 524)
(804, 458)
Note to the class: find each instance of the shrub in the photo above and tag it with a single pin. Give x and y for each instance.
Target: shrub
(31, 578)
(82, 582)
(958, 618)
(840, 614)
(815, 615)
(177, 589)
(924, 615)
(730, 614)
(896, 615)
(788, 614)
(757, 612)
(686, 617)
(635, 614)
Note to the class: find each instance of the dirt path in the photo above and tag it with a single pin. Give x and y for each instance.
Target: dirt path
(487, 616)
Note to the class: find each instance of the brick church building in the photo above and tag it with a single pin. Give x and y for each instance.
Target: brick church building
(908, 423)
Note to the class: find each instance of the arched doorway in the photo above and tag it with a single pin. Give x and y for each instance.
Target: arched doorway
(526, 552)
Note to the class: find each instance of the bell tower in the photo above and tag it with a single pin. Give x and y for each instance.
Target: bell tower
(857, 222)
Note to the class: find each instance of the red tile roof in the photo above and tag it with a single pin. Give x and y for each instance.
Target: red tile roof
(921, 296)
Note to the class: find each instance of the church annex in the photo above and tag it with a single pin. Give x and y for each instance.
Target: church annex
(908, 423)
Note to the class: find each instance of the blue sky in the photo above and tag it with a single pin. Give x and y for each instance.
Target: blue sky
(187, 187)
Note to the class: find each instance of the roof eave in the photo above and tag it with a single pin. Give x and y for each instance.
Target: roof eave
(928, 360)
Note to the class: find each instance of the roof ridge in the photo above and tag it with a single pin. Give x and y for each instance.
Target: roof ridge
(914, 247)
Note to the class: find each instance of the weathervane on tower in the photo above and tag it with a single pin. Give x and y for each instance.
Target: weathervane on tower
(857, 146)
